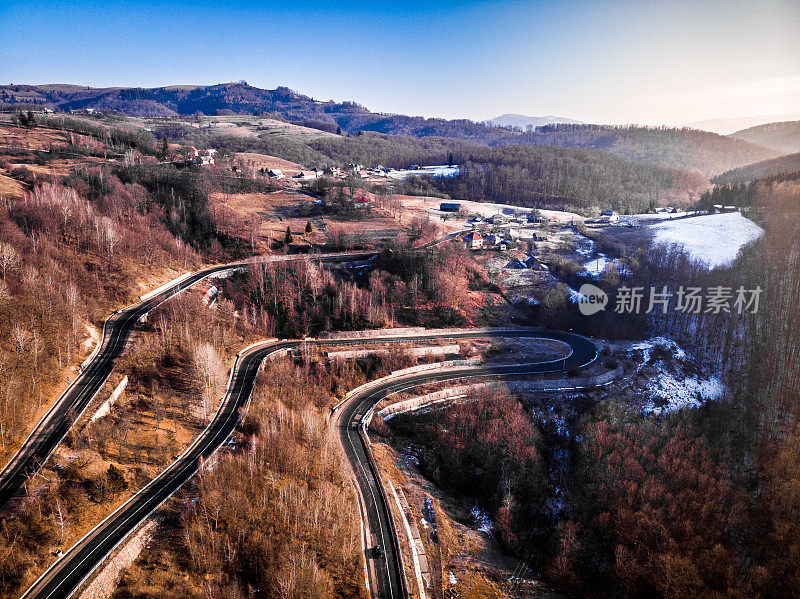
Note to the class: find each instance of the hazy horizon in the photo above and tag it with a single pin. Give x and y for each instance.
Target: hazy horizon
(601, 62)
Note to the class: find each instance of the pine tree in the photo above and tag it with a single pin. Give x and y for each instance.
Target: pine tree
(164, 148)
(309, 227)
(287, 239)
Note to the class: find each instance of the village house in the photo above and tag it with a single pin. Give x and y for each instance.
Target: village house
(515, 264)
(497, 219)
(275, 173)
(536, 219)
(491, 240)
(474, 241)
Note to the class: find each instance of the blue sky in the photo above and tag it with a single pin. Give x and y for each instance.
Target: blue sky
(666, 62)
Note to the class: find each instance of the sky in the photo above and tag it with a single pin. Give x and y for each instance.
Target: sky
(666, 62)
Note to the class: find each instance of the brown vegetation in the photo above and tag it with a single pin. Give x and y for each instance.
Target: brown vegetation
(298, 298)
(278, 516)
(104, 461)
(65, 261)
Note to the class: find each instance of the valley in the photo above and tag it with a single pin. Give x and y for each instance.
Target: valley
(256, 344)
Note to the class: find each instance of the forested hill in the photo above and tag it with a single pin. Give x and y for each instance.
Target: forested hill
(759, 170)
(690, 149)
(182, 99)
(784, 136)
(544, 176)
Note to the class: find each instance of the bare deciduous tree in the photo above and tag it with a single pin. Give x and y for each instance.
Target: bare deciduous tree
(9, 257)
(208, 367)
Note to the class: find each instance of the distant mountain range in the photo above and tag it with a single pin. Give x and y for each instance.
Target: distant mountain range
(784, 137)
(726, 126)
(523, 122)
(707, 153)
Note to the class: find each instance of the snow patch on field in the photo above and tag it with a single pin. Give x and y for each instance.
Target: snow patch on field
(595, 267)
(441, 170)
(714, 239)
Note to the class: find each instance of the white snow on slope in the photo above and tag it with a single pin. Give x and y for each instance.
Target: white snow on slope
(482, 520)
(675, 387)
(714, 239)
(647, 346)
(686, 392)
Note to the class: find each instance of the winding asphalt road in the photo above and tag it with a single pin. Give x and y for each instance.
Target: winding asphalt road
(53, 427)
(385, 573)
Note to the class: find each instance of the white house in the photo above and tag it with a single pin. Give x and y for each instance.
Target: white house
(474, 241)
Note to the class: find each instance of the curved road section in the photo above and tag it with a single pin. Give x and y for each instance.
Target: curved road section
(385, 572)
(52, 429)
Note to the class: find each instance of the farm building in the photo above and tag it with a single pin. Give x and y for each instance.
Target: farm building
(515, 264)
(497, 219)
(449, 206)
(537, 219)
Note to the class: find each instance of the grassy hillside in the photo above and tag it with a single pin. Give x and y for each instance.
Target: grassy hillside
(707, 153)
(784, 136)
(759, 170)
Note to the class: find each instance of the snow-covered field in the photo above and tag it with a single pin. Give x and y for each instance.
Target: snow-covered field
(645, 218)
(485, 209)
(714, 239)
(432, 171)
